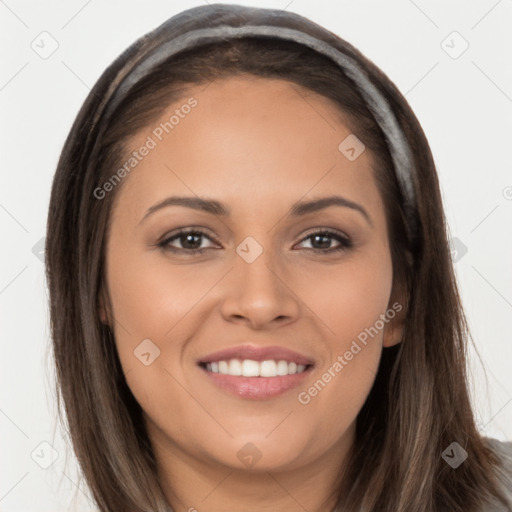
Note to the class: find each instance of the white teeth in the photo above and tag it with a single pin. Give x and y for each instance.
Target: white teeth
(282, 368)
(235, 367)
(251, 368)
(268, 369)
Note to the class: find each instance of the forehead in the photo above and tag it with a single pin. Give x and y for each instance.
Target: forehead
(245, 138)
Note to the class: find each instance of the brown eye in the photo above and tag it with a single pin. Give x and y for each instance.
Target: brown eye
(190, 241)
(321, 241)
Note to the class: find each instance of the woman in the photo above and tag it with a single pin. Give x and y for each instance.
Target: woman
(310, 356)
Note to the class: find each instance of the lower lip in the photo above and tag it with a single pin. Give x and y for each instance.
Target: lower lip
(257, 388)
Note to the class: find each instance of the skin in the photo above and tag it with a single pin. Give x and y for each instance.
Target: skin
(258, 146)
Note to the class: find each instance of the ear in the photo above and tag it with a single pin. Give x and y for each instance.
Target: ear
(396, 313)
(103, 308)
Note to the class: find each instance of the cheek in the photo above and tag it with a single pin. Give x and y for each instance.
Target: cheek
(349, 300)
(154, 300)
(150, 295)
(146, 304)
(350, 296)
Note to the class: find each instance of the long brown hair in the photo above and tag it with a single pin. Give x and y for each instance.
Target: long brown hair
(419, 403)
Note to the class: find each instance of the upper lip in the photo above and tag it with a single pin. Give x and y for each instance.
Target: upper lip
(257, 354)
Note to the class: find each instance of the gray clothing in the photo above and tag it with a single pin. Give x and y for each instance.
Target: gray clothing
(504, 451)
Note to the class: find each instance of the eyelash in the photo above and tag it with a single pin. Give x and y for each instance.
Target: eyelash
(345, 242)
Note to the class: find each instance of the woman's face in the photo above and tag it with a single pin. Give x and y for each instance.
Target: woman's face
(266, 292)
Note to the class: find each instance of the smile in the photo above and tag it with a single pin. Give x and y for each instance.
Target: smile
(251, 368)
(256, 373)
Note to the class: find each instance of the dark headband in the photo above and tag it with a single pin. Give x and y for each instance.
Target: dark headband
(397, 142)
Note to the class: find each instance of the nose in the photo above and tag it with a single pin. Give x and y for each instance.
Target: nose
(260, 294)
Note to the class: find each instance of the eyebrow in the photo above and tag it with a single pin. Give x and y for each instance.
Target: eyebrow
(217, 208)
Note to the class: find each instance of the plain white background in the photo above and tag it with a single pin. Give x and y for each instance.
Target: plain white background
(462, 97)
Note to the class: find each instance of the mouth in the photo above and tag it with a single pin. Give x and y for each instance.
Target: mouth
(256, 373)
